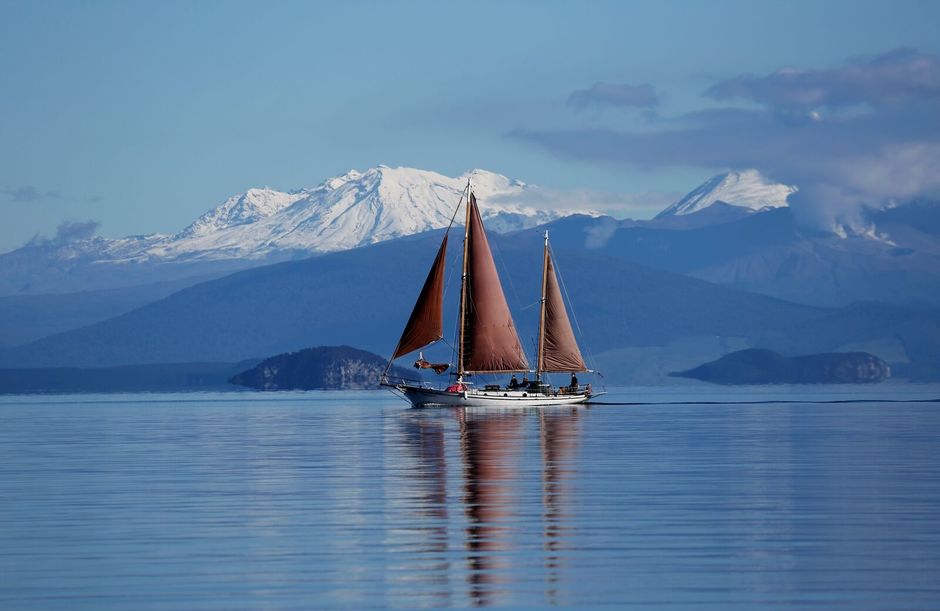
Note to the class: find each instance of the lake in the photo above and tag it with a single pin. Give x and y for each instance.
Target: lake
(675, 497)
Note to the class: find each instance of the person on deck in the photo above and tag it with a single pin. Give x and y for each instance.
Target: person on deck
(574, 382)
(513, 382)
(525, 381)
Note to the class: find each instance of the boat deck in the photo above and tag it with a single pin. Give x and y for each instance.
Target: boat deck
(423, 396)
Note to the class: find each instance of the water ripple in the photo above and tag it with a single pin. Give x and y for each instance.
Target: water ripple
(348, 500)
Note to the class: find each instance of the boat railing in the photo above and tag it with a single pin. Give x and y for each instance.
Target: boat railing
(402, 380)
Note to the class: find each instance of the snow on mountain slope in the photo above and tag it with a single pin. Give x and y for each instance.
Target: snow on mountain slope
(250, 206)
(344, 212)
(746, 189)
(347, 211)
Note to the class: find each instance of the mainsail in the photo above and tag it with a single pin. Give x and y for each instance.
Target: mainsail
(489, 340)
(558, 349)
(426, 324)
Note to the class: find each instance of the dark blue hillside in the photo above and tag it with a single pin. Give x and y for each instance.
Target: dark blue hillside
(363, 296)
(772, 254)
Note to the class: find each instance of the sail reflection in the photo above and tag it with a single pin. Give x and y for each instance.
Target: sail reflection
(488, 447)
(491, 458)
(424, 439)
(491, 446)
(559, 435)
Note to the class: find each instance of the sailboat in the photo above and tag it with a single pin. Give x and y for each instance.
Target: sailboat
(487, 342)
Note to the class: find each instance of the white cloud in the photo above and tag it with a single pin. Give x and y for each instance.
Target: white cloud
(591, 201)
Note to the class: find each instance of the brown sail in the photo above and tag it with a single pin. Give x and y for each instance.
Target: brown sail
(490, 340)
(426, 324)
(559, 350)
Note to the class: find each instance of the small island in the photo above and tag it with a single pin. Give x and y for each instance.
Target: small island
(321, 368)
(756, 366)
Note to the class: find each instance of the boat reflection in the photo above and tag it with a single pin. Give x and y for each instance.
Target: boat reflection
(559, 436)
(489, 444)
(478, 461)
(424, 439)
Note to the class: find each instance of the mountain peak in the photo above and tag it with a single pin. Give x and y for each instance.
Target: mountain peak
(248, 207)
(346, 211)
(744, 188)
(266, 225)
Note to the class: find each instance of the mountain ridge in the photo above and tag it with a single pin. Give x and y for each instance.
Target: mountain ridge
(342, 212)
(772, 253)
(265, 225)
(745, 189)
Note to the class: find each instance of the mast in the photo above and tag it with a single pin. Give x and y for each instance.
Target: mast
(488, 339)
(463, 292)
(541, 348)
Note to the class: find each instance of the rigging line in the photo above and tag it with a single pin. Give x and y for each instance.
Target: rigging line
(447, 343)
(446, 233)
(450, 270)
(564, 288)
(454, 347)
(454, 355)
(448, 282)
(454, 216)
(388, 366)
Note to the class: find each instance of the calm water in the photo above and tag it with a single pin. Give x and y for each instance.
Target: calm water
(350, 500)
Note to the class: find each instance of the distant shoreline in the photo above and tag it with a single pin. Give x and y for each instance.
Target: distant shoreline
(169, 377)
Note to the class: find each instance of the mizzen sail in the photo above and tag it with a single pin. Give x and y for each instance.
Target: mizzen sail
(426, 324)
(490, 342)
(558, 349)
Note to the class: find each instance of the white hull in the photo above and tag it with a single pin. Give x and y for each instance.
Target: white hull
(428, 397)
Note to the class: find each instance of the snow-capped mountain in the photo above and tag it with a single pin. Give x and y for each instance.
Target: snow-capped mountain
(745, 189)
(347, 211)
(266, 225)
(344, 212)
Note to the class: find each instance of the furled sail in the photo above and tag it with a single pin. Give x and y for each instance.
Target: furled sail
(490, 340)
(559, 349)
(426, 324)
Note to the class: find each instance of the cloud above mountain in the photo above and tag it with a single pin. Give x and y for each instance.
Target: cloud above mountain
(590, 201)
(897, 78)
(612, 94)
(27, 194)
(860, 134)
(68, 231)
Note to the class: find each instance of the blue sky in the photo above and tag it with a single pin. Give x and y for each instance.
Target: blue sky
(143, 115)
